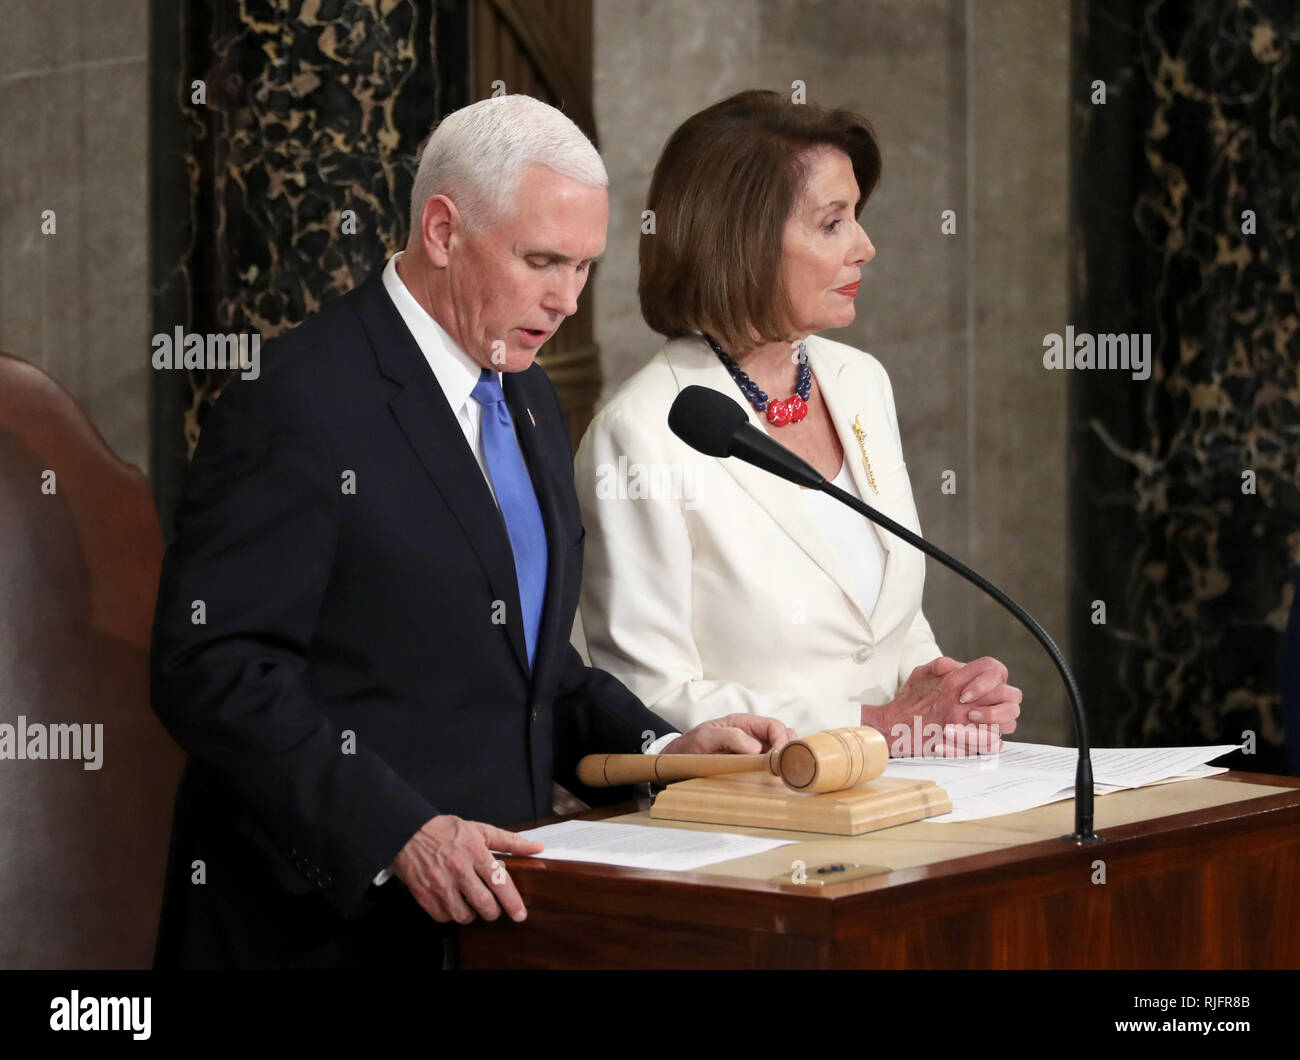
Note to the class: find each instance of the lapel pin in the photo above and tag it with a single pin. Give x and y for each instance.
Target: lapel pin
(530, 416)
(862, 444)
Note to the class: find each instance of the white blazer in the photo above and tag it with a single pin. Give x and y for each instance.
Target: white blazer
(709, 588)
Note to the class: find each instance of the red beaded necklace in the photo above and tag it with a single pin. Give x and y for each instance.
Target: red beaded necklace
(779, 413)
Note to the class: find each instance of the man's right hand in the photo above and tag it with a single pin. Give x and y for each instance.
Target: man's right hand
(449, 867)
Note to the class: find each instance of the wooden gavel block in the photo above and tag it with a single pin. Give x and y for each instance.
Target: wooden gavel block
(833, 760)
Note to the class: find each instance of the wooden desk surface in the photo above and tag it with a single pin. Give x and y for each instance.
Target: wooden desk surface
(922, 844)
(1222, 853)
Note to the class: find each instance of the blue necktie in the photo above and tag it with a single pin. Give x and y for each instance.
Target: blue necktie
(518, 503)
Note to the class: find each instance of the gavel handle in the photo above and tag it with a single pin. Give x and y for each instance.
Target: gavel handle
(605, 771)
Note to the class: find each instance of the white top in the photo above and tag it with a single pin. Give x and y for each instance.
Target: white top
(853, 536)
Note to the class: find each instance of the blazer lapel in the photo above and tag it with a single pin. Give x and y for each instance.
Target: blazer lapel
(431, 429)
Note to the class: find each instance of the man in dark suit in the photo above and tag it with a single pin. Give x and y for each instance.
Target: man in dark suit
(362, 627)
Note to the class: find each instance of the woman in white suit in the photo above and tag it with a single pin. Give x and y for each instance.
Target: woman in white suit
(711, 587)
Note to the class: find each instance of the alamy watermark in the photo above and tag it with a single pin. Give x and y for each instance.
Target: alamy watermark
(90, 1013)
(212, 351)
(635, 481)
(36, 740)
(933, 740)
(1129, 353)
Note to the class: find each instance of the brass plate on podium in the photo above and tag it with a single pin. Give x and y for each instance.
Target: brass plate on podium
(760, 800)
(824, 875)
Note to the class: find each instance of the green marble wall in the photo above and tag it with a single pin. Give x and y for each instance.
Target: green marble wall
(1185, 224)
(287, 181)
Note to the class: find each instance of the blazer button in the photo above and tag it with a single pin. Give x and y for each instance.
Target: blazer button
(861, 654)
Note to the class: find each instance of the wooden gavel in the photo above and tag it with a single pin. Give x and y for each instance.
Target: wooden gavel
(825, 761)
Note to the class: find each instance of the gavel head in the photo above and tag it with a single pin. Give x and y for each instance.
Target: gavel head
(832, 760)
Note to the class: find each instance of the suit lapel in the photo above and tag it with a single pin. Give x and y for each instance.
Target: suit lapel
(694, 364)
(430, 427)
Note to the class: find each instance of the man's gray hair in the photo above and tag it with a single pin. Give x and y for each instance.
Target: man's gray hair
(477, 154)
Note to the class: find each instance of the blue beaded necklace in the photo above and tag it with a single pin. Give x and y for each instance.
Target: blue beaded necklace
(779, 413)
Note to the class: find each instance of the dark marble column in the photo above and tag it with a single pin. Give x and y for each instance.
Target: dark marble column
(1185, 517)
(312, 108)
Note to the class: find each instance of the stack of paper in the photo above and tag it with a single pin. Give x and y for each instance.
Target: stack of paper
(1026, 775)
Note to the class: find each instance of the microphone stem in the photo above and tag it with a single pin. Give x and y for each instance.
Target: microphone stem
(1083, 795)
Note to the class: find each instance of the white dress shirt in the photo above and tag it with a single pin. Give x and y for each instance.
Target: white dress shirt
(455, 370)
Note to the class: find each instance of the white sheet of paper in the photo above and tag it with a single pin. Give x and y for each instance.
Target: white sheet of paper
(642, 847)
(1125, 767)
(1026, 775)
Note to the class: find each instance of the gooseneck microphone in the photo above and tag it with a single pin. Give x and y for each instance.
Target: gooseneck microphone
(713, 424)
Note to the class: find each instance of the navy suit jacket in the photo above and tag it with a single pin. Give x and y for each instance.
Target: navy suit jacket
(329, 643)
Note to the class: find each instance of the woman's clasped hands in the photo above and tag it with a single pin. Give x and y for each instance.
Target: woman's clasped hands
(947, 708)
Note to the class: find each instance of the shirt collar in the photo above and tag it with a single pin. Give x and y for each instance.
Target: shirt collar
(456, 371)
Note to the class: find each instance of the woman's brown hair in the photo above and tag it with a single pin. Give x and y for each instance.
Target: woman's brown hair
(721, 193)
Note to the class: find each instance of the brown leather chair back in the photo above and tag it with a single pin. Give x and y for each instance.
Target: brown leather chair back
(82, 850)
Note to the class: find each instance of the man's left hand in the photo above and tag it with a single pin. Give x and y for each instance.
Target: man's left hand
(740, 734)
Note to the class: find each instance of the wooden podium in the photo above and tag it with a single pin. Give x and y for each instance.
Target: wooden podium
(1195, 874)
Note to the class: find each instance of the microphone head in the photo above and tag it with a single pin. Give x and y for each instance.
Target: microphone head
(706, 420)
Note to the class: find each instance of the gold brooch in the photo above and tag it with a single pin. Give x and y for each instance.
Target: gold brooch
(862, 444)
